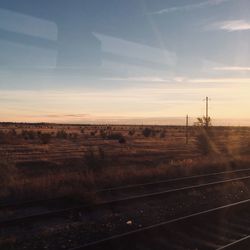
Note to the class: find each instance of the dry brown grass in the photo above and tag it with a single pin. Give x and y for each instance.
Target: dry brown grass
(79, 165)
(83, 183)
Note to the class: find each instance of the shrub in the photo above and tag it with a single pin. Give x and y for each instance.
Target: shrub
(162, 134)
(13, 132)
(122, 140)
(3, 138)
(205, 143)
(7, 138)
(103, 134)
(203, 122)
(92, 133)
(116, 136)
(45, 138)
(94, 159)
(73, 136)
(61, 134)
(31, 135)
(147, 132)
(28, 134)
(131, 132)
(25, 134)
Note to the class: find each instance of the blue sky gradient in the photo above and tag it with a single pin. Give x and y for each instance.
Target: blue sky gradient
(141, 58)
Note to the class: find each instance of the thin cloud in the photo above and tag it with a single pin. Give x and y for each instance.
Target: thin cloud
(231, 25)
(232, 68)
(189, 7)
(220, 80)
(137, 79)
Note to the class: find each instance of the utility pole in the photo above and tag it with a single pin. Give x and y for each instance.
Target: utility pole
(206, 111)
(187, 129)
(206, 117)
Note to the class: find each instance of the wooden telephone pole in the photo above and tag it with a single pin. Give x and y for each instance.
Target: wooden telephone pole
(207, 122)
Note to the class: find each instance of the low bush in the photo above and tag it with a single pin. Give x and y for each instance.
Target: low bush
(61, 134)
(205, 142)
(116, 136)
(45, 138)
(28, 134)
(122, 140)
(94, 159)
(131, 132)
(147, 132)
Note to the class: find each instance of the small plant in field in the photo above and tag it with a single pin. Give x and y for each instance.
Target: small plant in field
(103, 134)
(7, 137)
(131, 132)
(24, 134)
(204, 121)
(45, 138)
(29, 135)
(101, 153)
(116, 136)
(73, 136)
(3, 138)
(13, 132)
(147, 132)
(122, 140)
(205, 142)
(94, 159)
(153, 134)
(93, 133)
(162, 134)
(61, 134)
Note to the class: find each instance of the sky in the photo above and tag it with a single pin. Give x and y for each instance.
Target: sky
(134, 61)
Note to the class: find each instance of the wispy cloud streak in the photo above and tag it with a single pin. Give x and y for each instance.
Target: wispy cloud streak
(220, 80)
(231, 68)
(189, 7)
(137, 79)
(231, 25)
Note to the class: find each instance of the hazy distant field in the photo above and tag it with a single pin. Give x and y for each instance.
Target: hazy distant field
(54, 143)
(25, 142)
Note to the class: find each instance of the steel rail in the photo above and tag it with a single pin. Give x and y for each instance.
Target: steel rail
(146, 184)
(107, 243)
(111, 203)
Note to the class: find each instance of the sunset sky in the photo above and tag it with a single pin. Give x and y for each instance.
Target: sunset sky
(95, 60)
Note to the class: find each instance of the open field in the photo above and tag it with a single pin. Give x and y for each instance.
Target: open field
(100, 181)
(49, 157)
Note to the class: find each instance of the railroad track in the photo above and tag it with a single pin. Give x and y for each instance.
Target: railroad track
(75, 211)
(241, 244)
(222, 228)
(174, 181)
